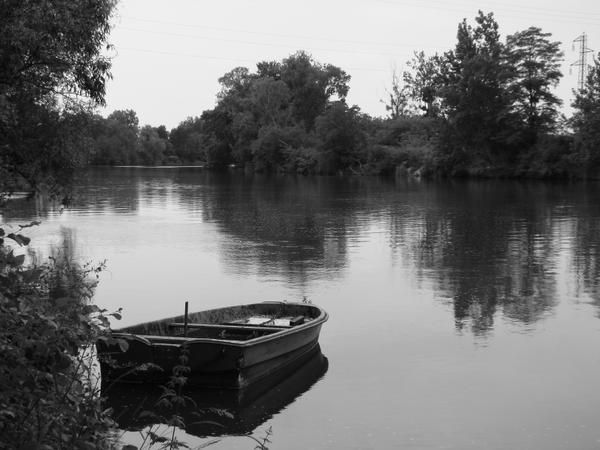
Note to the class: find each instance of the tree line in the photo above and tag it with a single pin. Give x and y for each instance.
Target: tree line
(486, 107)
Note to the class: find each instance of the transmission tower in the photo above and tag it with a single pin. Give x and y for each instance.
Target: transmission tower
(581, 63)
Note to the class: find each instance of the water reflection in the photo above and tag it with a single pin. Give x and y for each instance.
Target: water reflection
(219, 412)
(493, 249)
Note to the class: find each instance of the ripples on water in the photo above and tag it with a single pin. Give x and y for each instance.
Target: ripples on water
(463, 314)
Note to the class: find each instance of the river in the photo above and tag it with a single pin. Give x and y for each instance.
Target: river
(463, 314)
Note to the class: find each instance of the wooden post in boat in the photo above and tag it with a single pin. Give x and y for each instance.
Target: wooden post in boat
(185, 320)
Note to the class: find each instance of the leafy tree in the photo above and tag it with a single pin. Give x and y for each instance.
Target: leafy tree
(186, 140)
(254, 108)
(536, 63)
(422, 83)
(48, 51)
(270, 99)
(586, 119)
(218, 136)
(152, 146)
(342, 140)
(234, 83)
(312, 85)
(116, 139)
(397, 100)
(474, 81)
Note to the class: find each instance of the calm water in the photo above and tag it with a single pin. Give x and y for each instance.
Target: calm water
(463, 315)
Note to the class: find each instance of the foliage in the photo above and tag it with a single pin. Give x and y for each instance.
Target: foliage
(265, 119)
(397, 102)
(49, 397)
(342, 140)
(311, 85)
(269, 148)
(586, 121)
(115, 139)
(153, 148)
(536, 64)
(473, 92)
(422, 83)
(52, 58)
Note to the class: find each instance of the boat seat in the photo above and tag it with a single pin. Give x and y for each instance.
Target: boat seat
(228, 326)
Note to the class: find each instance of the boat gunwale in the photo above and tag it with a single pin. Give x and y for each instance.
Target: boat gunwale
(319, 320)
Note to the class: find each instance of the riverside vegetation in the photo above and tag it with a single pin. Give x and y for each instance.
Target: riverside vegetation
(484, 108)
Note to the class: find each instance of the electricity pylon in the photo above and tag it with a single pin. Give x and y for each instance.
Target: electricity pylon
(581, 63)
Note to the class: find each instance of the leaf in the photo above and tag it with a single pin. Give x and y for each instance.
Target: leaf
(1, 232)
(19, 239)
(63, 301)
(148, 414)
(89, 309)
(116, 315)
(31, 224)
(156, 438)
(15, 261)
(30, 276)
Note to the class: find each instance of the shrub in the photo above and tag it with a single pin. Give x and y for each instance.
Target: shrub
(48, 388)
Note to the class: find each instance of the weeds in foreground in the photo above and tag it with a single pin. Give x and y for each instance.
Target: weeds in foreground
(49, 384)
(163, 433)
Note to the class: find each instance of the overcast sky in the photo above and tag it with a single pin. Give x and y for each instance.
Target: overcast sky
(169, 55)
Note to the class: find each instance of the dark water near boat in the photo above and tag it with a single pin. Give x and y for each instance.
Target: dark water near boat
(463, 315)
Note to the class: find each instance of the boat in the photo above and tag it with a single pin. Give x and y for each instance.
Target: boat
(225, 348)
(217, 412)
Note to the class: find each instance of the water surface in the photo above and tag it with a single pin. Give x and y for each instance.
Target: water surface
(463, 315)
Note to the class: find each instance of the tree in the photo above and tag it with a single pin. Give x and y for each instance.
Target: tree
(422, 83)
(255, 109)
(396, 103)
(270, 99)
(586, 119)
(312, 85)
(535, 61)
(116, 139)
(51, 57)
(186, 140)
(152, 146)
(342, 139)
(473, 90)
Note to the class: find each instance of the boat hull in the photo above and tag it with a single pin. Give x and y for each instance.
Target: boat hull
(210, 361)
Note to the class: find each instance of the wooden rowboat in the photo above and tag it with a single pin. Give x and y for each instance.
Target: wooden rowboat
(224, 348)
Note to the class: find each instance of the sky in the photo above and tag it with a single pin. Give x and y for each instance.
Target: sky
(168, 56)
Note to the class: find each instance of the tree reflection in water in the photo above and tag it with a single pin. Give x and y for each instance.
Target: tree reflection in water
(491, 247)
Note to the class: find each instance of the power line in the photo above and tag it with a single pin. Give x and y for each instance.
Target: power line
(264, 44)
(264, 33)
(234, 60)
(512, 10)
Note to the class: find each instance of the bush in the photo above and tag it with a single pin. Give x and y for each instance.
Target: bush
(49, 392)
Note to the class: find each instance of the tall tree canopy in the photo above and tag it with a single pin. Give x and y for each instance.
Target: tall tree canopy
(261, 114)
(586, 120)
(52, 57)
(536, 63)
(474, 78)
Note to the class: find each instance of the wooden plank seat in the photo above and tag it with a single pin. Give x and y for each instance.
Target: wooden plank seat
(227, 326)
(221, 331)
(270, 323)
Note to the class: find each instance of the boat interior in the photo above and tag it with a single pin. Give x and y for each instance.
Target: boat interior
(240, 323)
